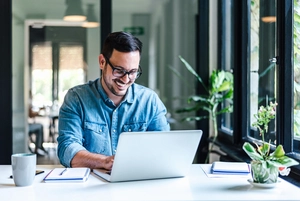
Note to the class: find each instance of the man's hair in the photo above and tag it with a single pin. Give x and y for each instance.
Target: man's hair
(122, 42)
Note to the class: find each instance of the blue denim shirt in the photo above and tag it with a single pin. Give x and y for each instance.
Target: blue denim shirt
(89, 120)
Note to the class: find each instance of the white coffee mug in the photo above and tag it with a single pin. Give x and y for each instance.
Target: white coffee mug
(23, 168)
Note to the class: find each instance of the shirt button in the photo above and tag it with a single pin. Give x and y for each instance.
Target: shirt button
(129, 130)
(114, 131)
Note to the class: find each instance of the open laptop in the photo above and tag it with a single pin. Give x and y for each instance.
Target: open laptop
(153, 155)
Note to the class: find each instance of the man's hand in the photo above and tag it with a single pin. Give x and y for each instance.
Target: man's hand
(92, 160)
(108, 162)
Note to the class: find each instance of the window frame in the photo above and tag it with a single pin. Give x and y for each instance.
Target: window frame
(241, 47)
(284, 51)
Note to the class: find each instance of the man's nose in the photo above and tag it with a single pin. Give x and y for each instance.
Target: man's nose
(125, 77)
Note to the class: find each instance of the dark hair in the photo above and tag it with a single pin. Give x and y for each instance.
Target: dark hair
(122, 42)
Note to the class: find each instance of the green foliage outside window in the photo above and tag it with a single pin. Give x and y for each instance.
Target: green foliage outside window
(297, 68)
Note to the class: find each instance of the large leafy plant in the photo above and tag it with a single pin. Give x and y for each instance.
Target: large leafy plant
(262, 154)
(218, 90)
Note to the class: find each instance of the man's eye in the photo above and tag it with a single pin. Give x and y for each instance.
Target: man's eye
(119, 71)
(133, 72)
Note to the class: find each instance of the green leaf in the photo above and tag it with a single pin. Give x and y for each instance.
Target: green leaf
(224, 86)
(197, 98)
(265, 148)
(251, 151)
(194, 118)
(279, 152)
(284, 161)
(229, 94)
(186, 109)
(190, 68)
(228, 109)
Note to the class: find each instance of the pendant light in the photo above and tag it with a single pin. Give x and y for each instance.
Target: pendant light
(267, 11)
(74, 11)
(91, 20)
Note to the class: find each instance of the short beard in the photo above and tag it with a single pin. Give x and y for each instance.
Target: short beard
(110, 88)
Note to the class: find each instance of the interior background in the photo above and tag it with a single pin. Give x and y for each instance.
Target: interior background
(170, 29)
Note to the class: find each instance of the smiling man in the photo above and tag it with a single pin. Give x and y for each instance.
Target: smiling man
(93, 115)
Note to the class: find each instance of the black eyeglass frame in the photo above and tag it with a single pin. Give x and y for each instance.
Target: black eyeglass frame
(138, 72)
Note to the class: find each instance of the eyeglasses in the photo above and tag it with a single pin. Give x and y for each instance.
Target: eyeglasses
(119, 72)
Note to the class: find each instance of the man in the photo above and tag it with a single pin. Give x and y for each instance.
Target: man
(94, 114)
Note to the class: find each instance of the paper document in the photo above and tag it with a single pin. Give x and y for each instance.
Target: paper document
(68, 175)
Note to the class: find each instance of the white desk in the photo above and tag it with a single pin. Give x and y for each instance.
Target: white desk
(196, 186)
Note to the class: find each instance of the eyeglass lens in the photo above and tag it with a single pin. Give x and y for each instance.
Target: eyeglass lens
(117, 72)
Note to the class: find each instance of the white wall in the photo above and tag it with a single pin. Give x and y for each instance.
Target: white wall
(18, 72)
(93, 51)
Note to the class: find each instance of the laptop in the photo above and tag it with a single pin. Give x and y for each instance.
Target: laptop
(152, 155)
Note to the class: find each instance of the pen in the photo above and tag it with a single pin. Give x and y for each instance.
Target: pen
(64, 171)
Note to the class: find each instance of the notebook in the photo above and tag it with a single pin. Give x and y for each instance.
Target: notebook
(68, 175)
(153, 155)
(220, 167)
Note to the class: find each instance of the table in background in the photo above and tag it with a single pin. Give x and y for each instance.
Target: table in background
(196, 186)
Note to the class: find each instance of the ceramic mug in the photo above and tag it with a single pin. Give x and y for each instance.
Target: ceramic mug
(23, 168)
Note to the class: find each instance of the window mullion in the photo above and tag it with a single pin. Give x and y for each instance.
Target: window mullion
(285, 73)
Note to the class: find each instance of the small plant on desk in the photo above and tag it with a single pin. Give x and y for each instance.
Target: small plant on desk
(265, 165)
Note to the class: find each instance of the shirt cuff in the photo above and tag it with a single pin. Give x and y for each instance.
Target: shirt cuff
(70, 152)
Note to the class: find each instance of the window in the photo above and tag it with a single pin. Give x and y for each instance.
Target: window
(57, 63)
(262, 61)
(41, 74)
(296, 76)
(266, 68)
(226, 44)
(71, 68)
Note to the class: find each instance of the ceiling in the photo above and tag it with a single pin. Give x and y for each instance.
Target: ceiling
(35, 8)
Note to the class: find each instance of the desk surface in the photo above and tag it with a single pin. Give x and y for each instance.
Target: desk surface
(195, 186)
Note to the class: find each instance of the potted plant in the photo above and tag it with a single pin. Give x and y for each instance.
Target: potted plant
(265, 166)
(219, 89)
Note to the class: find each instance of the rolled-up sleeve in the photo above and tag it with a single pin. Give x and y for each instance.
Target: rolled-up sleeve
(70, 139)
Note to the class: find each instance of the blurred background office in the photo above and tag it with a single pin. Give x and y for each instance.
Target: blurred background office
(52, 53)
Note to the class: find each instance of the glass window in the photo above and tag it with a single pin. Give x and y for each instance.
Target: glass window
(58, 63)
(296, 75)
(71, 68)
(262, 62)
(226, 58)
(41, 74)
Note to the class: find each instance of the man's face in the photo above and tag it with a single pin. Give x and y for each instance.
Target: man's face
(128, 61)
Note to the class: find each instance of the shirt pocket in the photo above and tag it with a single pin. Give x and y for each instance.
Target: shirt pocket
(96, 138)
(132, 127)
(95, 127)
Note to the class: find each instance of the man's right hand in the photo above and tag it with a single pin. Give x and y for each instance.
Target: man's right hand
(91, 160)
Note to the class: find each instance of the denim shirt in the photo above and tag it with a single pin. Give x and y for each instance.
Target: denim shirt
(89, 120)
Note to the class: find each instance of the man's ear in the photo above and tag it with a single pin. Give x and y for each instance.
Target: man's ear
(102, 61)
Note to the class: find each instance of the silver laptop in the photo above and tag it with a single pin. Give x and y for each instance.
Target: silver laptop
(153, 155)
